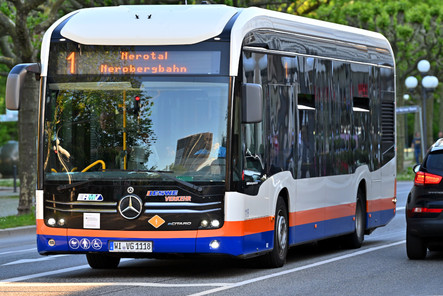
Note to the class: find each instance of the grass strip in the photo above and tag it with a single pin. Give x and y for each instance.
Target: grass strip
(17, 220)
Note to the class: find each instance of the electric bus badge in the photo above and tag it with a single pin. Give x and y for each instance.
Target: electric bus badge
(130, 207)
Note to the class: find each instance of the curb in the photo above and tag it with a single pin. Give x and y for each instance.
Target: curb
(11, 232)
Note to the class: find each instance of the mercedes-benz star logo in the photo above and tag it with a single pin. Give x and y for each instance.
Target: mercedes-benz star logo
(130, 207)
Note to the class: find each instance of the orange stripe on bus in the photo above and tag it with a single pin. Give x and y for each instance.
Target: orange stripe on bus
(381, 204)
(241, 228)
(230, 228)
(334, 212)
(321, 214)
(41, 228)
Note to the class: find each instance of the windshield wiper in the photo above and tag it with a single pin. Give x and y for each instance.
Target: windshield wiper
(199, 189)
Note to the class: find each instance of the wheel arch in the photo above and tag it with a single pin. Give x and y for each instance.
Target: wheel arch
(362, 190)
(284, 193)
(362, 187)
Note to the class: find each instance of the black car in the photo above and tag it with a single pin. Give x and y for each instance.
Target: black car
(424, 208)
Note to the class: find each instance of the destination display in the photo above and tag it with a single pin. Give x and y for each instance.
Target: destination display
(138, 62)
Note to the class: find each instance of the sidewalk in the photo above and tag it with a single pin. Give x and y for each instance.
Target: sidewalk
(8, 205)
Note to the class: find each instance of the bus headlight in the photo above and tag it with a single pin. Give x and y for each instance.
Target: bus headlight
(61, 222)
(51, 222)
(204, 223)
(215, 223)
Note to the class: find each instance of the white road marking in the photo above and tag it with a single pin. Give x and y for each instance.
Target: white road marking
(42, 274)
(219, 286)
(22, 261)
(266, 277)
(154, 285)
(18, 251)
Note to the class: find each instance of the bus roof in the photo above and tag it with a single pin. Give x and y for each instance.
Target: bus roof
(190, 24)
(147, 24)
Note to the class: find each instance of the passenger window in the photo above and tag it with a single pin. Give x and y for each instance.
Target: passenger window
(254, 150)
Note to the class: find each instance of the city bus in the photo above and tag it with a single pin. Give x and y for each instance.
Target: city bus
(209, 129)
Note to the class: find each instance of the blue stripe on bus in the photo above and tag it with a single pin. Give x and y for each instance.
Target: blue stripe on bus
(235, 246)
(380, 218)
(319, 230)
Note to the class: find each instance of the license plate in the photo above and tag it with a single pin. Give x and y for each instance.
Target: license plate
(130, 246)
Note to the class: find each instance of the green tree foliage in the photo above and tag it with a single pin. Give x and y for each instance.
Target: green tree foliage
(414, 29)
(297, 7)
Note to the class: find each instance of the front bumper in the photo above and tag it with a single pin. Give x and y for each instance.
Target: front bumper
(232, 240)
(425, 227)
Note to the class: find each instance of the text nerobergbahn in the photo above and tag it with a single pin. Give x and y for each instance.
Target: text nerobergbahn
(160, 134)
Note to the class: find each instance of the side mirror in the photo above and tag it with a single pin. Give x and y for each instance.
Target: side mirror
(14, 84)
(252, 103)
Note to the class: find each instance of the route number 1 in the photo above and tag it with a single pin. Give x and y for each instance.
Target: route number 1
(71, 62)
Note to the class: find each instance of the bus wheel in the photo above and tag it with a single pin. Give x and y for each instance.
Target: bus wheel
(355, 239)
(277, 257)
(101, 261)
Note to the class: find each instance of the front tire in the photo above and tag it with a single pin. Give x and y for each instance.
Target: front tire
(277, 257)
(101, 261)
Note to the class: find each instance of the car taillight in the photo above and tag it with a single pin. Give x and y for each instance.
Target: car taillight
(426, 210)
(422, 178)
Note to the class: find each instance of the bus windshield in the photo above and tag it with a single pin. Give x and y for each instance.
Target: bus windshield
(121, 129)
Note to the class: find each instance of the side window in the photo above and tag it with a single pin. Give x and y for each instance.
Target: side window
(253, 152)
(255, 68)
(306, 139)
(361, 130)
(361, 141)
(280, 128)
(434, 162)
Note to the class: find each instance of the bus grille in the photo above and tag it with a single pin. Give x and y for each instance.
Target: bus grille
(81, 207)
(150, 207)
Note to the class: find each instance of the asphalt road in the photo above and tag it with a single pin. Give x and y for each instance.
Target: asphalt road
(380, 267)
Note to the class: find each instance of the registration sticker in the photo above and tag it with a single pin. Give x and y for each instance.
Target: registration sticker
(130, 246)
(91, 220)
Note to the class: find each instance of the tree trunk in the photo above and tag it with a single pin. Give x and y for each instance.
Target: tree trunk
(27, 167)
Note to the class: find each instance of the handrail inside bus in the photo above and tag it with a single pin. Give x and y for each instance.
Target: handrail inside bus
(94, 164)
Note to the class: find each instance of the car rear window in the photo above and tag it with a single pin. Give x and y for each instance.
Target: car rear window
(434, 161)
